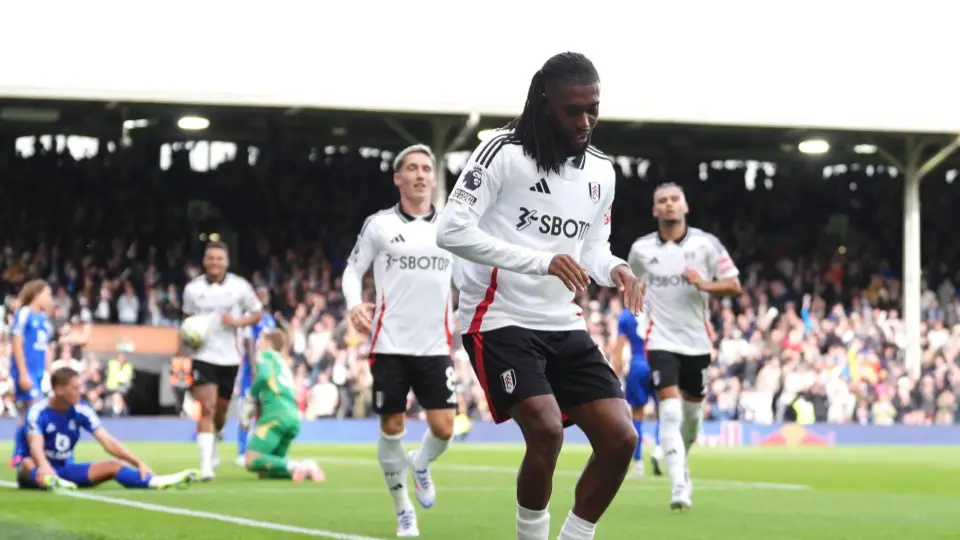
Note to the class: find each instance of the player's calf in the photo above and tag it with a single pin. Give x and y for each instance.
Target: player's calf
(541, 422)
(608, 427)
(280, 468)
(435, 442)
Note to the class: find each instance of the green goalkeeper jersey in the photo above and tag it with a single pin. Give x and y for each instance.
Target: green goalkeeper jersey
(273, 387)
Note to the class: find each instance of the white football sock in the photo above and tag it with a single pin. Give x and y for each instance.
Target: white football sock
(692, 418)
(431, 448)
(671, 417)
(533, 524)
(576, 528)
(393, 463)
(205, 442)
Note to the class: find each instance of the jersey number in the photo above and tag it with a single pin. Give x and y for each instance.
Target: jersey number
(42, 339)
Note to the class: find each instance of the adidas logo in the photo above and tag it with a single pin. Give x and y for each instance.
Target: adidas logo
(397, 238)
(541, 187)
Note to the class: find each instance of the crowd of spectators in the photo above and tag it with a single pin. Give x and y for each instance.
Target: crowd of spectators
(816, 336)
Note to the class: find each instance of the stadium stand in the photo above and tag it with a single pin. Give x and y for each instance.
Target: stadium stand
(817, 335)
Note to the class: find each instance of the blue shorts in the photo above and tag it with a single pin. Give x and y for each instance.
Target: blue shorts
(25, 398)
(78, 473)
(639, 389)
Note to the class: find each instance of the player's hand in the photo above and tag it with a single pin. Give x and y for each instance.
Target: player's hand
(361, 317)
(144, 471)
(630, 287)
(26, 384)
(45, 471)
(693, 277)
(573, 276)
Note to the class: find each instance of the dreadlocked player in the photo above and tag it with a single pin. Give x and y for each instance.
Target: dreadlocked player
(530, 217)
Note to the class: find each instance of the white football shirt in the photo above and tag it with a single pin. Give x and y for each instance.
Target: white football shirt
(233, 296)
(677, 313)
(412, 278)
(507, 220)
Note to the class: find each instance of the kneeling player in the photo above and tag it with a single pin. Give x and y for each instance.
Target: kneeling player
(278, 421)
(52, 430)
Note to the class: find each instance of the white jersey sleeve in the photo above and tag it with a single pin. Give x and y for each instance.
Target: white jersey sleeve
(362, 256)
(719, 261)
(459, 231)
(190, 300)
(596, 256)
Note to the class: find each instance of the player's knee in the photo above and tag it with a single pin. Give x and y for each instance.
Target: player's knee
(392, 424)
(669, 392)
(249, 458)
(671, 412)
(623, 443)
(547, 438)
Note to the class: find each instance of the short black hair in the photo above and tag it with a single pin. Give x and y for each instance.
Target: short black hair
(62, 376)
(532, 127)
(217, 245)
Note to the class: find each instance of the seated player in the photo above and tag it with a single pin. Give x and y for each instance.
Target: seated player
(278, 419)
(52, 430)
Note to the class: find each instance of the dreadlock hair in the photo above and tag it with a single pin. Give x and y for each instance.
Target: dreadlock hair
(532, 128)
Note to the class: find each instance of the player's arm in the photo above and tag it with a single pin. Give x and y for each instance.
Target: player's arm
(359, 261)
(19, 355)
(116, 448)
(458, 228)
(91, 422)
(596, 256)
(35, 441)
(617, 356)
(188, 309)
(249, 304)
(726, 276)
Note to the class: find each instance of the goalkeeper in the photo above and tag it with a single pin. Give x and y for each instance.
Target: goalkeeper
(272, 399)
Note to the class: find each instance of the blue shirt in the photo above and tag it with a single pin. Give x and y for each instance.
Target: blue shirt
(35, 330)
(627, 325)
(60, 429)
(267, 322)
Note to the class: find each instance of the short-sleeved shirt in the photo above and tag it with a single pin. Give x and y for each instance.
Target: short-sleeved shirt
(678, 313)
(60, 429)
(233, 296)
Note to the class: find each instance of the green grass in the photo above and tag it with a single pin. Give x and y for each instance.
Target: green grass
(741, 493)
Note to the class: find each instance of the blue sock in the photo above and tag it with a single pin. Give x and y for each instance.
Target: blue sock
(129, 477)
(17, 441)
(33, 476)
(638, 451)
(656, 432)
(241, 441)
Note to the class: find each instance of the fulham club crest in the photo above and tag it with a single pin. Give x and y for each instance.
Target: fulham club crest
(594, 192)
(509, 380)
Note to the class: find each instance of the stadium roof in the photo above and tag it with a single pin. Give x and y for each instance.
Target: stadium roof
(319, 127)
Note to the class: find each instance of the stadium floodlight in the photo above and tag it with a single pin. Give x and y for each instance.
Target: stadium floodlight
(193, 123)
(865, 149)
(485, 134)
(814, 146)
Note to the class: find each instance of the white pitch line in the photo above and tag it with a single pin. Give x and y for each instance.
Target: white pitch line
(321, 491)
(320, 533)
(565, 472)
